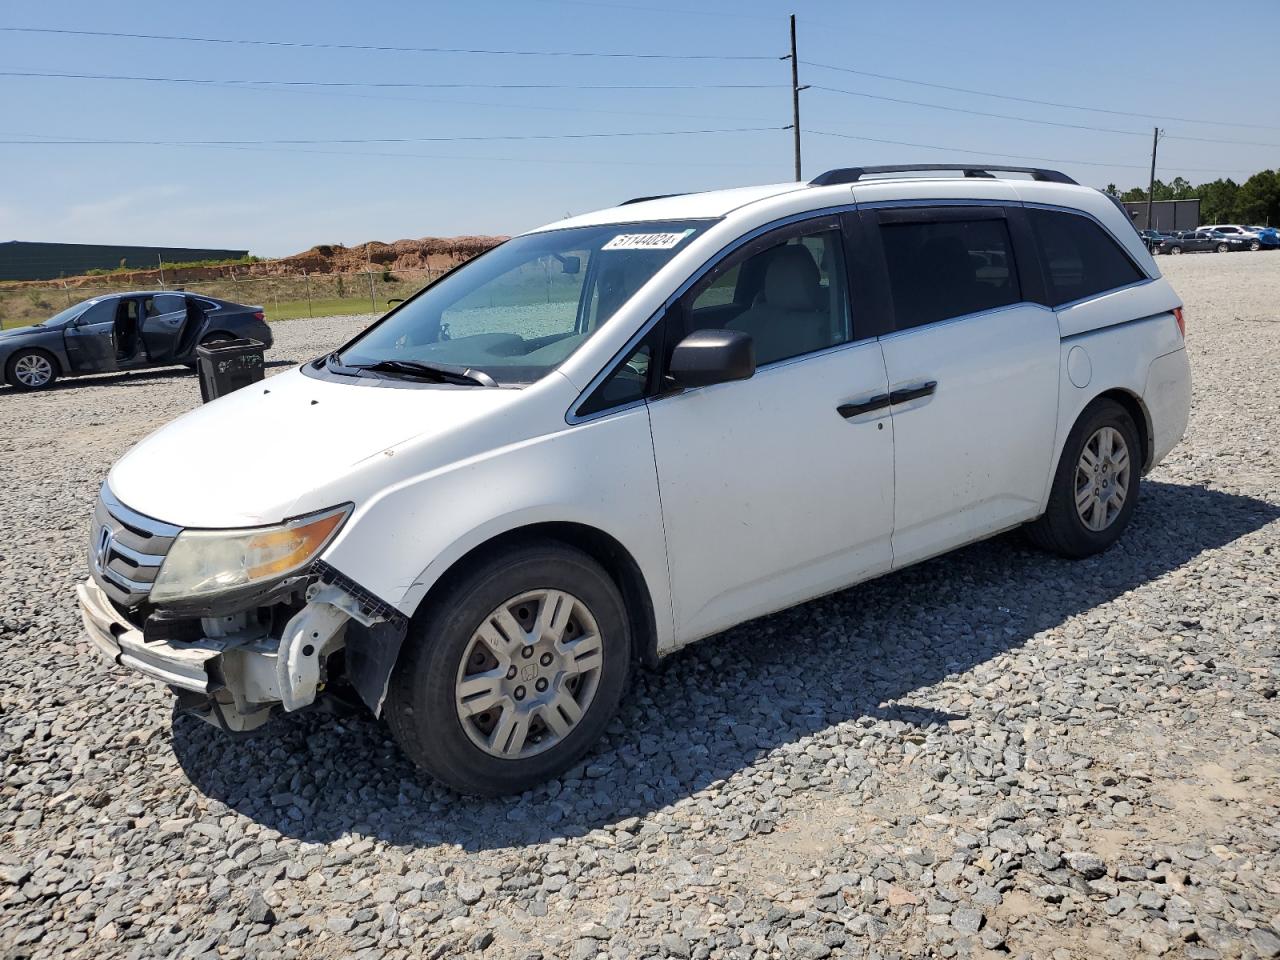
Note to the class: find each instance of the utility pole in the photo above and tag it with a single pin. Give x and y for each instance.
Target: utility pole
(795, 97)
(1151, 184)
(160, 260)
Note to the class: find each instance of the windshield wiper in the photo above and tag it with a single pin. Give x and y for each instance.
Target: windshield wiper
(429, 371)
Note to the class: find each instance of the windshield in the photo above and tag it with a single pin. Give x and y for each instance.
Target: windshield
(524, 307)
(65, 316)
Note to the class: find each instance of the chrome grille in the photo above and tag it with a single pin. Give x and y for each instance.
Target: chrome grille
(126, 550)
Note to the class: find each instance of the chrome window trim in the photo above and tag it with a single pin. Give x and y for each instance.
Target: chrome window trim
(1105, 293)
(947, 321)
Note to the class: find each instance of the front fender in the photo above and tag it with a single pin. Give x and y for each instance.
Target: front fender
(48, 340)
(599, 474)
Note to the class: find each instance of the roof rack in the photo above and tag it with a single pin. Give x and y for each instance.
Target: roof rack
(657, 196)
(854, 174)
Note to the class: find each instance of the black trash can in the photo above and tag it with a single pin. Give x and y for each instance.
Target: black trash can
(228, 365)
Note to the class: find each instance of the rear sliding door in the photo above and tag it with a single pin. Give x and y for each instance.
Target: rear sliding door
(972, 373)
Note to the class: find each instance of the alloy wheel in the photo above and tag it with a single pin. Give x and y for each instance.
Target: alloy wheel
(1102, 478)
(33, 370)
(529, 674)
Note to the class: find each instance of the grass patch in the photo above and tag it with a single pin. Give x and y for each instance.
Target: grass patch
(185, 264)
(282, 298)
(331, 307)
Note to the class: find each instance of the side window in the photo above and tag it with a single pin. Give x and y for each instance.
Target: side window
(630, 381)
(169, 303)
(99, 312)
(790, 297)
(948, 268)
(1080, 258)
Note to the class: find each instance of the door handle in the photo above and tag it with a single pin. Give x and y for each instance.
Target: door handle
(914, 392)
(878, 402)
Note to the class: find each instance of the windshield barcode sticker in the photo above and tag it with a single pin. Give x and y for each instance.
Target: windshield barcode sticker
(645, 241)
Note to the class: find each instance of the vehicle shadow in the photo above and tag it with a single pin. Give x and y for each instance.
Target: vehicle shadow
(714, 708)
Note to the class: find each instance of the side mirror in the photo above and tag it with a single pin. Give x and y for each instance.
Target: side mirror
(705, 357)
(395, 300)
(568, 263)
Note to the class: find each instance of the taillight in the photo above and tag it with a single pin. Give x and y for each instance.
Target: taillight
(260, 315)
(1182, 324)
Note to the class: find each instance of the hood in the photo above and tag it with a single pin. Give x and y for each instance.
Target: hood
(287, 446)
(18, 332)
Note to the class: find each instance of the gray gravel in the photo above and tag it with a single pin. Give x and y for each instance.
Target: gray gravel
(993, 753)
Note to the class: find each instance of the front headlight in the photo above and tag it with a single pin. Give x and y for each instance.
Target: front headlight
(205, 562)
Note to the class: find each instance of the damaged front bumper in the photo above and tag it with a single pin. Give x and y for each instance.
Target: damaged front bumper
(235, 670)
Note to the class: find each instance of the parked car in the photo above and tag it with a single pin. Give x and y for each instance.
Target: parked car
(124, 331)
(1201, 241)
(629, 430)
(1235, 231)
(1268, 237)
(1153, 238)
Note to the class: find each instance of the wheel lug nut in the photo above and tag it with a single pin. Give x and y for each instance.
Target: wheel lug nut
(527, 652)
(541, 684)
(511, 674)
(545, 659)
(519, 693)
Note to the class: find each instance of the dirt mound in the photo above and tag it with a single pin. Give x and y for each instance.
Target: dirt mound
(427, 253)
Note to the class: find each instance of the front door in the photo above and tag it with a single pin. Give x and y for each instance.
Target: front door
(163, 320)
(90, 339)
(973, 375)
(778, 488)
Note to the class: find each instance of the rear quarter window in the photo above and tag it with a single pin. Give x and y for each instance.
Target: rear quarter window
(1080, 258)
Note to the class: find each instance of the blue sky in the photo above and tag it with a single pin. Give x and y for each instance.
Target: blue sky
(1191, 60)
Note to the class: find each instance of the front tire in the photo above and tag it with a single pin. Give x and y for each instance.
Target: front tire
(31, 370)
(1175, 250)
(513, 672)
(1255, 245)
(1222, 248)
(1095, 486)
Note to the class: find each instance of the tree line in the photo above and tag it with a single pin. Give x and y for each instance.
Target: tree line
(1255, 202)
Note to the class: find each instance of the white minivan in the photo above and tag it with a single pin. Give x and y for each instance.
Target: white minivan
(625, 431)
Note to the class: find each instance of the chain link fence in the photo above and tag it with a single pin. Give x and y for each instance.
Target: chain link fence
(282, 297)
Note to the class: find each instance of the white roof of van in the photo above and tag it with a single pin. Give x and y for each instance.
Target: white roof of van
(685, 206)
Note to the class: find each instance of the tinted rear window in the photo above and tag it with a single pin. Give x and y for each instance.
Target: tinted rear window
(1080, 258)
(948, 269)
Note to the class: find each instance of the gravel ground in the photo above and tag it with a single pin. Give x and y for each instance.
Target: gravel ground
(993, 753)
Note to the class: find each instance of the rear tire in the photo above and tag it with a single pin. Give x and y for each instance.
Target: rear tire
(513, 672)
(1175, 250)
(1096, 484)
(1255, 245)
(1222, 248)
(31, 370)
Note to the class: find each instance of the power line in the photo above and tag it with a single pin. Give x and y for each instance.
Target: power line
(1013, 156)
(399, 84)
(1007, 116)
(42, 140)
(974, 113)
(1043, 103)
(471, 158)
(383, 48)
(541, 107)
